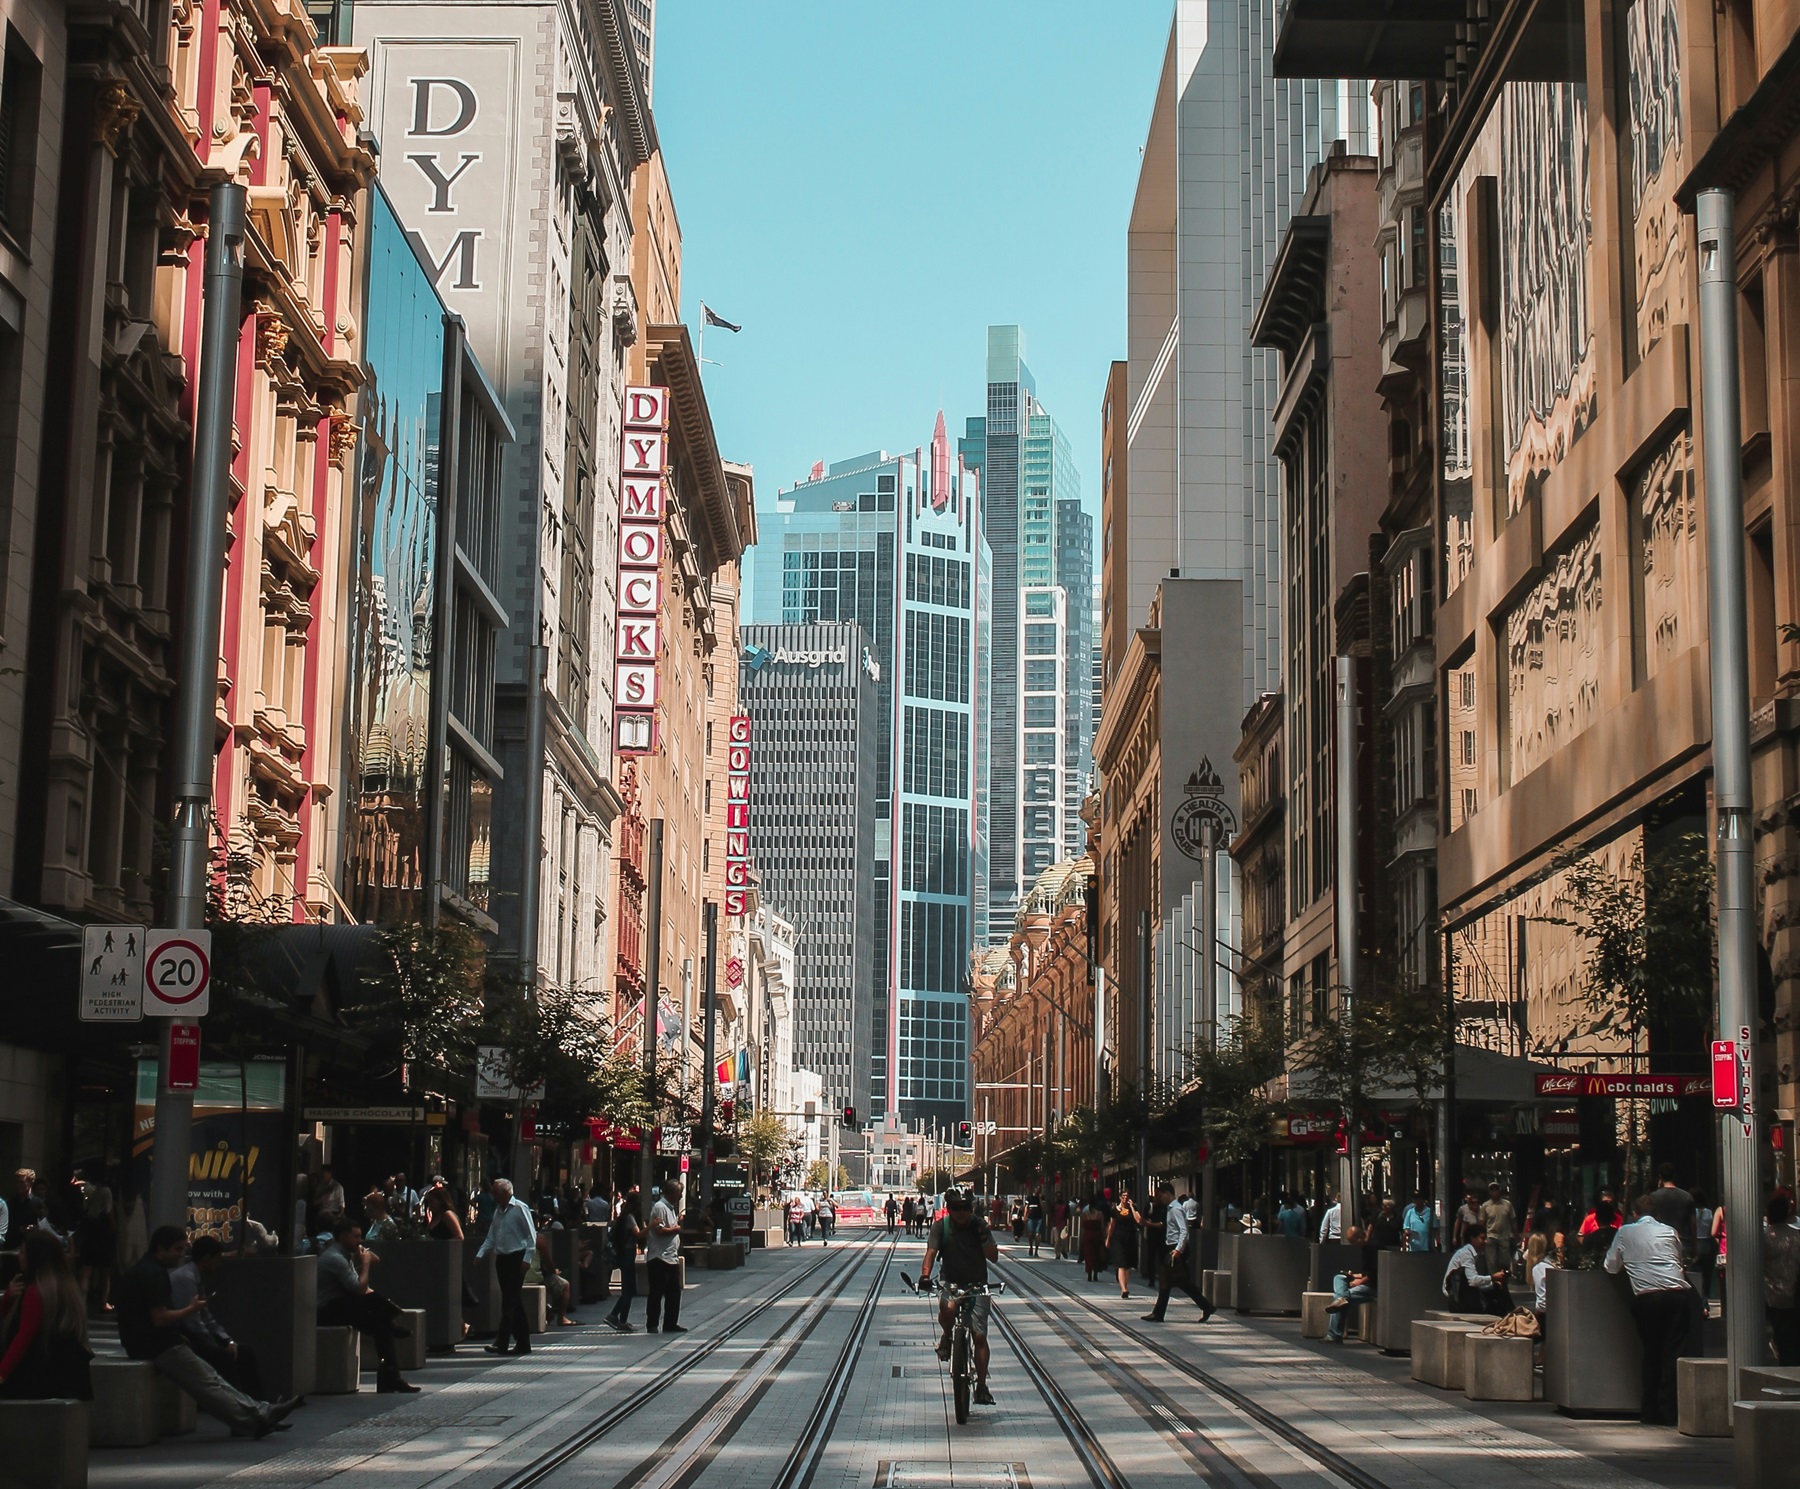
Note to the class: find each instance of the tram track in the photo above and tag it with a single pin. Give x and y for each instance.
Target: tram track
(1200, 1445)
(540, 1468)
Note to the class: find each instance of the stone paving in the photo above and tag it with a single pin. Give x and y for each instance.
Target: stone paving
(741, 1411)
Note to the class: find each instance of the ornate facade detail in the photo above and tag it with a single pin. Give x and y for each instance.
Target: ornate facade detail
(116, 109)
(1553, 654)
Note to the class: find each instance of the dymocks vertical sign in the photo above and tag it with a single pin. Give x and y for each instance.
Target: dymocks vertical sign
(737, 816)
(643, 475)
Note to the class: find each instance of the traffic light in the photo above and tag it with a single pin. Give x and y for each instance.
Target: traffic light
(849, 1115)
(965, 1134)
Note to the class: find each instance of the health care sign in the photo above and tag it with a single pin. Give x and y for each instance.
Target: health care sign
(643, 469)
(737, 816)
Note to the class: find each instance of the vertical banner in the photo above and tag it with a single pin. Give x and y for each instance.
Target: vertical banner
(737, 816)
(643, 470)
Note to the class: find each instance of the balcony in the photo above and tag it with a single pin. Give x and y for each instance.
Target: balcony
(1398, 39)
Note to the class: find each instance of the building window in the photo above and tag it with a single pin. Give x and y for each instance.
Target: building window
(20, 81)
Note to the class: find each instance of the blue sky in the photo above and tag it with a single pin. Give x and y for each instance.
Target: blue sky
(866, 186)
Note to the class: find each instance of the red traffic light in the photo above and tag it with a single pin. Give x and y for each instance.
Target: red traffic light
(849, 1116)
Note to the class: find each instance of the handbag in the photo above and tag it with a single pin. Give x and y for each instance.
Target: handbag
(1521, 1323)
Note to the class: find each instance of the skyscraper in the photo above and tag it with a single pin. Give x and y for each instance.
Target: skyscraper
(640, 16)
(895, 543)
(810, 694)
(1042, 715)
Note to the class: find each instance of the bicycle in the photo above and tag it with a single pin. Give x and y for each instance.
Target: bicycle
(962, 1374)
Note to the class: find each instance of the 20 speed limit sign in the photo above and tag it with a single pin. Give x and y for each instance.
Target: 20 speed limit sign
(177, 970)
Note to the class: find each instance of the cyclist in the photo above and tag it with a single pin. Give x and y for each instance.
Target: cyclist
(966, 1243)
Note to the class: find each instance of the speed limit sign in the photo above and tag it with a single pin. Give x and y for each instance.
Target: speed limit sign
(177, 971)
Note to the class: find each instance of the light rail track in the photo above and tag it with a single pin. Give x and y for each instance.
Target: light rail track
(1189, 1436)
(547, 1463)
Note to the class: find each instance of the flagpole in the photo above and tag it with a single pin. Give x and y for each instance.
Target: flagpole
(700, 340)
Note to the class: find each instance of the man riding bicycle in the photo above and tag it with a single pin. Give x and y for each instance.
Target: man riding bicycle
(967, 1245)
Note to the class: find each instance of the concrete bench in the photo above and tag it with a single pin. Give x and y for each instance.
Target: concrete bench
(1498, 1367)
(177, 1413)
(534, 1300)
(409, 1353)
(722, 1256)
(1437, 1352)
(339, 1360)
(1769, 1383)
(1314, 1313)
(1703, 1397)
(125, 1404)
(46, 1444)
(1767, 1444)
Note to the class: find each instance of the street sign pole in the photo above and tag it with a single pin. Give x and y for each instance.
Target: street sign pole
(652, 968)
(1732, 791)
(197, 680)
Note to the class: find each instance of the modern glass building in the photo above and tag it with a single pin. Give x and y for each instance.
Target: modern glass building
(810, 692)
(1043, 545)
(896, 544)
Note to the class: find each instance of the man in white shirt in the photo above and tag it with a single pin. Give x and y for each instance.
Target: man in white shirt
(1467, 1286)
(1172, 1266)
(662, 1261)
(1331, 1227)
(1649, 1254)
(511, 1237)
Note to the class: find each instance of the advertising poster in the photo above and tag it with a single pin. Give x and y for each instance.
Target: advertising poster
(242, 1150)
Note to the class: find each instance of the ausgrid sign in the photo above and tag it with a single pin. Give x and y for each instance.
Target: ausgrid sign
(810, 658)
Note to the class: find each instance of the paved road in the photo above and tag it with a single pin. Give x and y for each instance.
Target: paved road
(813, 1369)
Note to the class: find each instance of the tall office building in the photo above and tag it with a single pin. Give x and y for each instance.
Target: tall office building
(1042, 716)
(895, 543)
(640, 16)
(810, 694)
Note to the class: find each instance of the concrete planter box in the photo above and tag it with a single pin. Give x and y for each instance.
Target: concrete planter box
(426, 1275)
(46, 1444)
(1767, 1445)
(1769, 1383)
(1328, 1258)
(484, 1317)
(271, 1303)
(1268, 1274)
(1410, 1284)
(1592, 1359)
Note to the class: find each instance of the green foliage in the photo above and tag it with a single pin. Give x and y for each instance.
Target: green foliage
(1233, 1113)
(935, 1182)
(561, 1039)
(763, 1141)
(422, 993)
(1391, 1037)
(1649, 929)
(819, 1171)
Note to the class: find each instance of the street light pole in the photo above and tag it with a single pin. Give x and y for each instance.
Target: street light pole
(197, 681)
(652, 994)
(1209, 995)
(709, 1082)
(1348, 930)
(1732, 790)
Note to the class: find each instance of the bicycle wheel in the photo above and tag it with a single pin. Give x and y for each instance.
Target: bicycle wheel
(959, 1375)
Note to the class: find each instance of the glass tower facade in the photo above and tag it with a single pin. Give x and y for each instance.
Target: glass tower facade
(895, 543)
(1043, 631)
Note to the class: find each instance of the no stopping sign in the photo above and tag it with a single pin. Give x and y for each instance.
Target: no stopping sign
(177, 972)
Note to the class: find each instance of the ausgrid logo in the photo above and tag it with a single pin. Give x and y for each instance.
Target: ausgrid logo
(810, 658)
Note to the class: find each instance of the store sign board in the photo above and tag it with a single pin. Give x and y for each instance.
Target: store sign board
(737, 816)
(643, 496)
(1588, 1083)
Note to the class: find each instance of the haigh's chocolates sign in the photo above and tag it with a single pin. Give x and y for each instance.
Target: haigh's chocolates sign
(643, 471)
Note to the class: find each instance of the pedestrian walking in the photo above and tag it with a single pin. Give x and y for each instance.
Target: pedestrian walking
(1781, 1272)
(1331, 1223)
(510, 1239)
(1419, 1223)
(1093, 1237)
(625, 1237)
(150, 1329)
(662, 1261)
(827, 1213)
(1123, 1230)
(1172, 1266)
(1674, 1206)
(1501, 1224)
(1291, 1218)
(1034, 1222)
(1649, 1253)
(1706, 1246)
(891, 1210)
(1017, 1220)
(796, 1221)
(1600, 1224)
(1468, 1217)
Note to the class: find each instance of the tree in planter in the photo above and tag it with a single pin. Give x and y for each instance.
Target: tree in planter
(935, 1182)
(1234, 1112)
(763, 1140)
(819, 1171)
(559, 1040)
(421, 995)
(1649, 929)
(1078, 1145)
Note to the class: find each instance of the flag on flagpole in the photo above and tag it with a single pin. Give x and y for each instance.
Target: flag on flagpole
(713, 318)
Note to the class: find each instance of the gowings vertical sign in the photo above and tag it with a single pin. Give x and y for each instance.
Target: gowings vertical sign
(737, 816)
(643, 469)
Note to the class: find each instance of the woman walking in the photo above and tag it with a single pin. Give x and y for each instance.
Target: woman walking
(1122, 1234)
(627, 1236)
(1093, 1237)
